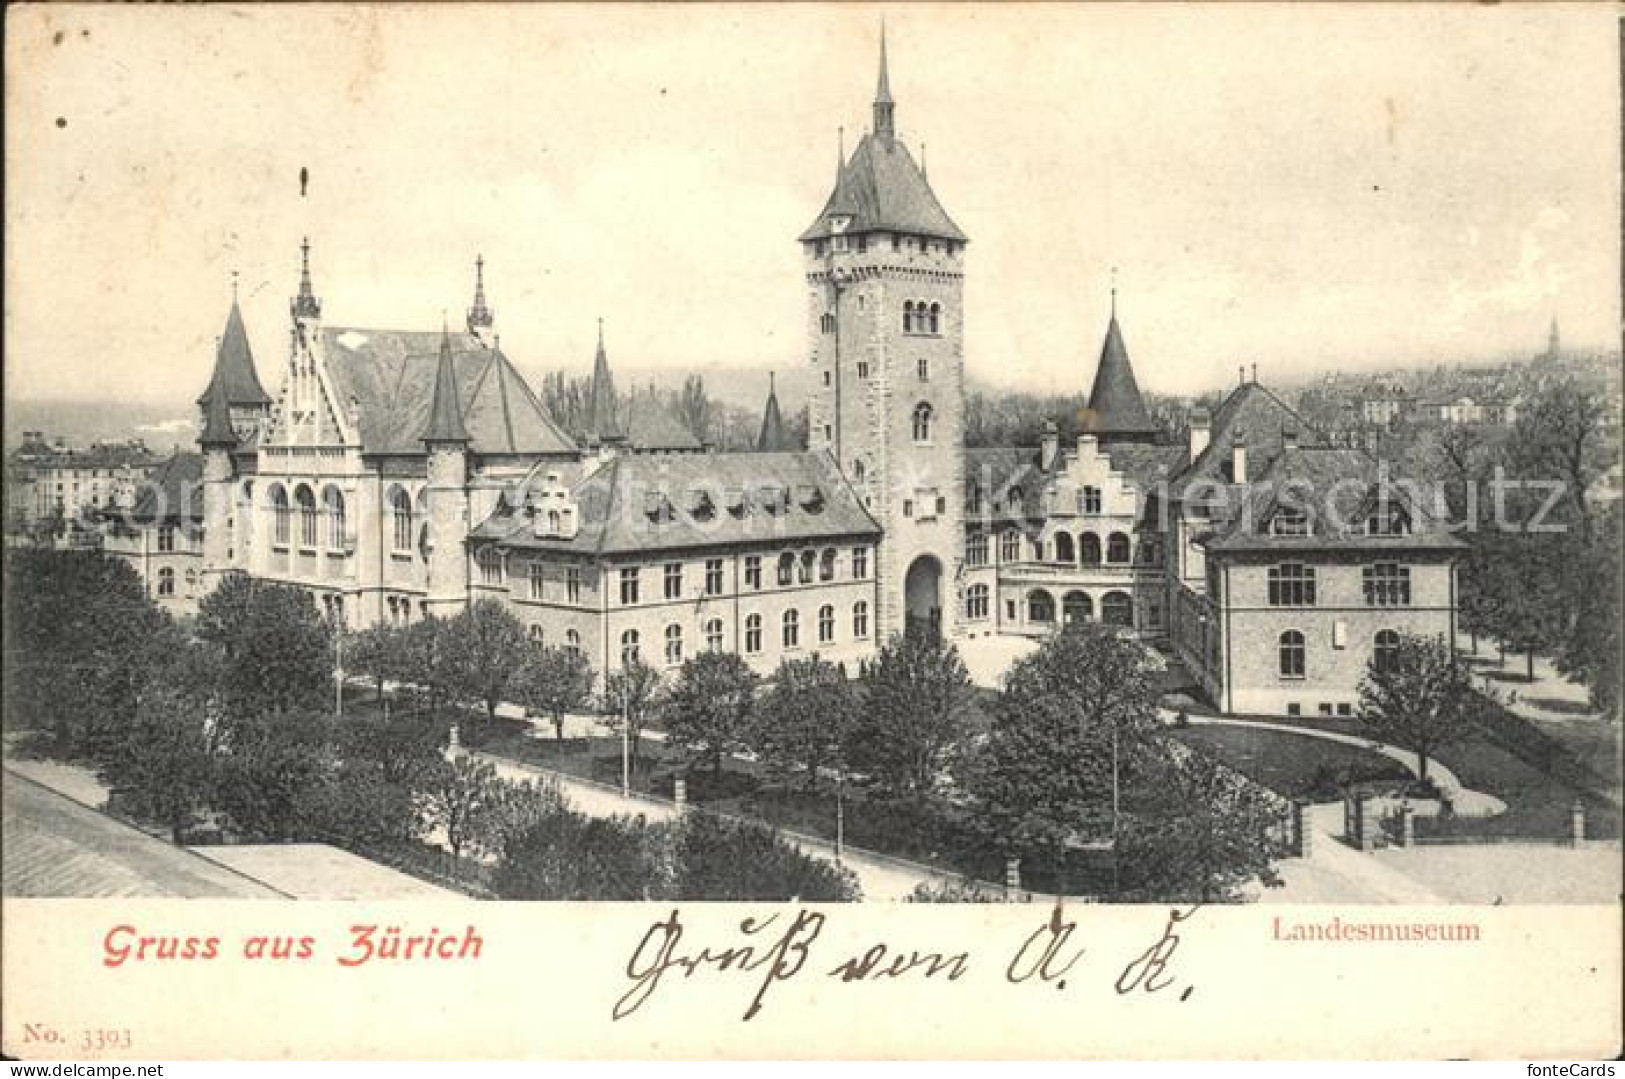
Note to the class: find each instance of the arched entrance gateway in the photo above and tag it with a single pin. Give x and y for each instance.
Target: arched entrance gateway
(922, 595)
(1076, 608)
(1117, 609)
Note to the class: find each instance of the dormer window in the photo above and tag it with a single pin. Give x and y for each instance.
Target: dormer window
(700, 506)
(1388, 518)
(1289, 521)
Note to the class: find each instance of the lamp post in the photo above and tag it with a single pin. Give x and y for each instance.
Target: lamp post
(338, 664)
(626, 740)
(840, 815)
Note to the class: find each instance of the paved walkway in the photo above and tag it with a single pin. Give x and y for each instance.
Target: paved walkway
(318, 871)
(1467, 803)
(1551, 697)
(881, 878)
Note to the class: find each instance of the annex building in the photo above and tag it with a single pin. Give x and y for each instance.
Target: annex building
(400, 473)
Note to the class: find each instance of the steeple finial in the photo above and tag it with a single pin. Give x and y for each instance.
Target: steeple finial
(480, 317)
(234, 286)
(1114, 292)
(305, 304)
(884, 127)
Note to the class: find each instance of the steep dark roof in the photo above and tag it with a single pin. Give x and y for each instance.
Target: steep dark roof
(390, 376)
(604, 421)
(445, 412)
(995, 471)
(883, 190)
(1334, 489)
(172, 492)
(1257, 418)
(772, 438)
(234, 367)
(217, 429)
(1145, 464)
(633, 504)
(1115, 406)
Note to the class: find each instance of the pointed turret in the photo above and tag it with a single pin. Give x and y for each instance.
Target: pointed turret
(445, 415)
(885, 128)
(217, 430)
(1554, 342)
(234, 367)
(1116, 409)
(305, 304)
(603, 419)
(480, 317)
(772, 438)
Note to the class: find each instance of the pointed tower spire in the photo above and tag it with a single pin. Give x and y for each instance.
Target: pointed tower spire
(445, 415)
(1116, 409)
(602, 419)
(217, 430)
(480, 317)
(772, 438)
(885, 128)
(305, 304)
(1554, 341)
(234, 365)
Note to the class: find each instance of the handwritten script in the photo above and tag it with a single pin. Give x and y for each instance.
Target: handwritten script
(784, 946)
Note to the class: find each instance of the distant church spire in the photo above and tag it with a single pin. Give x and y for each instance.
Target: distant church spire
(480, 317)
(602, 419)
(885, 129)
(772, 438)
(1554, 341)
(445, 414)
(305, 305)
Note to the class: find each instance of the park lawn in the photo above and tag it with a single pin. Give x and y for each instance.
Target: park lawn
(1538, 806)
(1293, 765)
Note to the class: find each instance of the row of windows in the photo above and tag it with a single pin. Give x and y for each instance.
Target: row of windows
(166, 580)
(1090, 500)
(921, 317)
(304, 500)
(1385, 584)
(789, 633)
(792, 568)
(1086, 551)
(1386, 519)
(1294, 652)
(899, 242)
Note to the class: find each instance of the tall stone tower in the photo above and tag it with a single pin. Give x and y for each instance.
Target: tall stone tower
(446, 439)
(884, 270)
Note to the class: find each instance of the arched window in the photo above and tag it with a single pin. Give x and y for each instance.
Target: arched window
(1064, 551)
(787, 568)
(976, 602)
(1117, 547)
(305, 499)
(535, 633)
(281, 524)
(572, 640)
(629, 647)
(908, 316)
(554, 521)
(936, 315)
(400, 510)
(713, 635)
(166, 582)
(791, 637)
(1386, 653)
(1040, 607)
(1292, 654)
(333, 501)
(826, 565)
(674, 645)
(826, 624)
(1117, 609)
(860, 620)
(1016, 501)
(922, 422)
(807, 560)
(753, 634)
(1088, 549)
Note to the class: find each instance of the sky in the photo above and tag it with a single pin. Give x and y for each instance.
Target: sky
(1302, 188)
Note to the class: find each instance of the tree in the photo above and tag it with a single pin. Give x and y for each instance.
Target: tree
(633, 694)
(1198, 832)
(520, 808)
(722, 860)
(708, 711)
(1416, 695)
(375, 652)
(483, 647)
(276, 647)
(460, 800)
(693, 407)
(272, 773)
(164, 766)
(424, 659)
(1560, 438)
(571, 856)
(553, 681)
(1072, 724)
(1592, 648)
(913, 722)
(803, 721)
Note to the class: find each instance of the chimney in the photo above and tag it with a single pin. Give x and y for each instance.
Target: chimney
(1238, 458)
(1255, 373)
(1199, 432)
(1241, 375)
(1049, 446)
